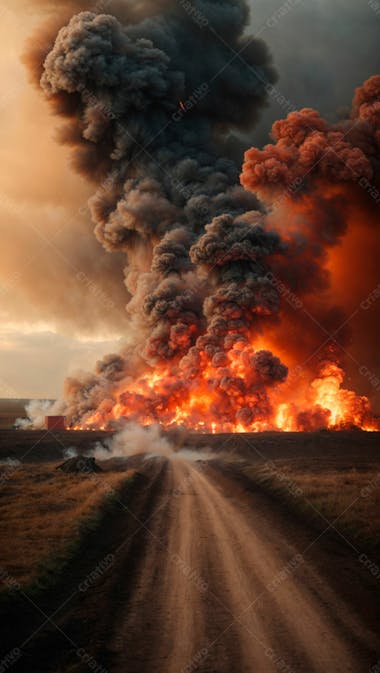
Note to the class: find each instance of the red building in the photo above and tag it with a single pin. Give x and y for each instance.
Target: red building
(55, 422)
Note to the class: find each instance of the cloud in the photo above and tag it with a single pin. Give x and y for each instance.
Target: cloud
(43, 208)
(35, 361)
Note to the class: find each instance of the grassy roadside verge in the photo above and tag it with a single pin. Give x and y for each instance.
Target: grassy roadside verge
(45, 520)
(345, 496)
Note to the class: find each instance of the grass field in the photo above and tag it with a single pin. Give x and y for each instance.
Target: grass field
(339, 494)
(43, 514)
(247, 522)
(326, 477)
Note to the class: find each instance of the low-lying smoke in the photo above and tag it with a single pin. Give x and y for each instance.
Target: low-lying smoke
(149, 442)
(36, 411)
(134, 440)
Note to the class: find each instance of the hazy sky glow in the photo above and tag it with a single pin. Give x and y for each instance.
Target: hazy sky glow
(60, 313)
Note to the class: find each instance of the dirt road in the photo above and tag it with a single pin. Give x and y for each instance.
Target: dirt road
(204, 575)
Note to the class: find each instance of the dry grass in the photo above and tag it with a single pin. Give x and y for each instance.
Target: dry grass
(347, 497)
(43, 512)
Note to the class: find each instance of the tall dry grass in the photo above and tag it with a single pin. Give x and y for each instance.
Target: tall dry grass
(346, 496)
(42, 511)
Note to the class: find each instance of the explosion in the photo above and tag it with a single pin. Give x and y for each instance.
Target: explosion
(231, 322)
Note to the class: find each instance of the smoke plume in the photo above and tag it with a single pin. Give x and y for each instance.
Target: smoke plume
(148, 96)
(134, 440)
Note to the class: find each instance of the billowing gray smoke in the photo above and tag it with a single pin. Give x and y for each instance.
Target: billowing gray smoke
(148, 105)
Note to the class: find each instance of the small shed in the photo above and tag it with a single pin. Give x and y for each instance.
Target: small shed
(55, 422)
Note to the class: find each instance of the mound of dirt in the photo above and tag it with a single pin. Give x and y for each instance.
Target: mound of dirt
(80, 465)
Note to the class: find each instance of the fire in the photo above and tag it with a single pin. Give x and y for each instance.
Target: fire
(228, 392)
(210, 403)
(237, 304)
(284, 417)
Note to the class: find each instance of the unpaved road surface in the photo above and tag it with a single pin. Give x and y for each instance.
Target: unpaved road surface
(203, 574)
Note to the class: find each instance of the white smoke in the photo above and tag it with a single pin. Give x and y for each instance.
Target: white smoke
(10, 462)
(149, 441)
(36, 411)
(135, 439)
(70, 452)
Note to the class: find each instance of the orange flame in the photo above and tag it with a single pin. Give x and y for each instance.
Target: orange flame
(322, 403)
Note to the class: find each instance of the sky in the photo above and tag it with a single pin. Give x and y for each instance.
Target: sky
(60, 311)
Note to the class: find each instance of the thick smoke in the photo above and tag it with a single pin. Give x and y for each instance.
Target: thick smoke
(148, 100)
(126, 83)
(162, 179)
(313, 71)
(321, 169)
(313, 175)
(319, 182)
(306, 147)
